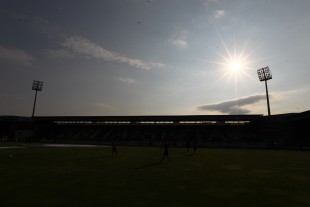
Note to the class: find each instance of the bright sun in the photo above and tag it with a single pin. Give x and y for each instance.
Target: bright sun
(235, 66)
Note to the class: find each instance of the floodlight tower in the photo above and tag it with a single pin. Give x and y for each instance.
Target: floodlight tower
(264, 74)
(36, 86)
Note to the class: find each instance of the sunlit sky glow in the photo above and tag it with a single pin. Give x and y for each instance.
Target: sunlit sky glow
(156, 57)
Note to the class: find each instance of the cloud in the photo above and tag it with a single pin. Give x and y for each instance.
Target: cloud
(180, 40)
(218, 14)
(233, 106)
(291, 100)
(104, 106)
(58, 54)
(179, 43)
(16, 55)
(88, 48)
(76, 45)
(126, 80)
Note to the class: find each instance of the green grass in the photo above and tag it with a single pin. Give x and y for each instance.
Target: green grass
(38, 176)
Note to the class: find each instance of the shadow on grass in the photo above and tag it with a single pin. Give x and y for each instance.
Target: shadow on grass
(149, 165)
(190, 155)
(95, 157)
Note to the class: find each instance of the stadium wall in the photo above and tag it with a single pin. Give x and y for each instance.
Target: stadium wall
(248, 131)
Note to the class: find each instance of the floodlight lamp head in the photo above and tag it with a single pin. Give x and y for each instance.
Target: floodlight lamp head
(37, 85)
(264, 74)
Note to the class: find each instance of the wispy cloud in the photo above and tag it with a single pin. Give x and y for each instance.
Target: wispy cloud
(58, 54)
(87, 48)
(180, 40)
(233, 106)
(218, 14)
(126, 80)
(104, 106)
(76, 45)
(16, 55)
(300, 97)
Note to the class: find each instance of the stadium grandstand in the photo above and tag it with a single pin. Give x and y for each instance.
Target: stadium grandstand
(249, 131)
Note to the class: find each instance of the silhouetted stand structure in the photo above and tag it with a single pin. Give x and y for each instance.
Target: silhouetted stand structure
(36, 86)
(264, 74)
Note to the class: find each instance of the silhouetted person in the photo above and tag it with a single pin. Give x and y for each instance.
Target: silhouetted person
(113, 149)
(166, 152)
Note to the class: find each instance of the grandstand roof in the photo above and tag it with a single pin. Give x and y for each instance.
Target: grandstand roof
(152, 118)
(174, 118)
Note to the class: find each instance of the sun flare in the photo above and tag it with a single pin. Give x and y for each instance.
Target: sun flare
(235, 65)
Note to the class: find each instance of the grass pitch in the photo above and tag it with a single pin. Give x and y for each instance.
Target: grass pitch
(45, 176)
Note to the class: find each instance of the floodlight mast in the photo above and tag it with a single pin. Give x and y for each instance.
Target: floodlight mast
(36, 86)
(264, 74)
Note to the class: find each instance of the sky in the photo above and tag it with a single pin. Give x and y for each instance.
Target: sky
(153, 57)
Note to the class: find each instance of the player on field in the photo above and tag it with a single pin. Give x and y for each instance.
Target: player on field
(166, 152)
(113, 149)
